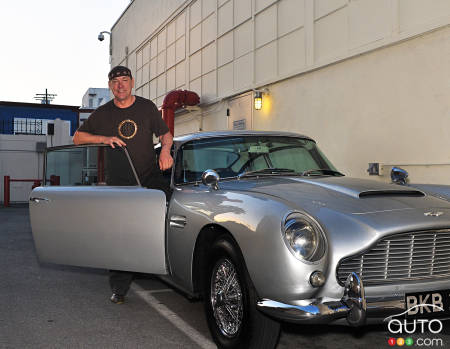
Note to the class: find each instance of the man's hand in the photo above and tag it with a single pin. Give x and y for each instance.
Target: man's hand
(113, 140)
(165, 160)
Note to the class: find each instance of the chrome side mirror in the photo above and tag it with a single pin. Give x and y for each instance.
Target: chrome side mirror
(399, 175)
(211, 179)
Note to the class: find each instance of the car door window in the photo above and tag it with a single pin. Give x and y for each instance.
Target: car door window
(88, 166)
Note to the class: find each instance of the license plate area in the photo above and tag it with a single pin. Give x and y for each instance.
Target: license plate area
(431, 304)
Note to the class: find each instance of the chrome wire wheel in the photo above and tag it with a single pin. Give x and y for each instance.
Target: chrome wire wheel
(226, 298)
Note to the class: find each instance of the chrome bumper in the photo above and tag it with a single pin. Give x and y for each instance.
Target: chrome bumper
(353, 306)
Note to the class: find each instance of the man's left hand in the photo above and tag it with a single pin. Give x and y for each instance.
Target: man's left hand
(165, 161)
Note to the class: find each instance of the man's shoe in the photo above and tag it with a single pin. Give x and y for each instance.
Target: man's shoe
(117, 298)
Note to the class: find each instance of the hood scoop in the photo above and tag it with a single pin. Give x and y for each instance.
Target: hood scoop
(390, 193)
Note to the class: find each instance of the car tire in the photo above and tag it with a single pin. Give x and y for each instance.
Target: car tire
(230, 302)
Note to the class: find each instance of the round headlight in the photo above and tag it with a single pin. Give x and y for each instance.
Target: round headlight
(303, 237)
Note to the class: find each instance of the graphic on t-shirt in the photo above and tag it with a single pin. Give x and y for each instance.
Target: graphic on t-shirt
(127, 129)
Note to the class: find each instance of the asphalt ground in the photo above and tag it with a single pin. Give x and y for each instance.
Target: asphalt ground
(52, 306)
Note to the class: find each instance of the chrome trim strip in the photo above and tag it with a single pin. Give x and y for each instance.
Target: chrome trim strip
(177, 221)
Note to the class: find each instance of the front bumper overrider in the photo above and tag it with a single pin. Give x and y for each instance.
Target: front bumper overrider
(353, 306)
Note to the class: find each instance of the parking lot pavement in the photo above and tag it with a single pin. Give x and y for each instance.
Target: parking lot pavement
(50, 306)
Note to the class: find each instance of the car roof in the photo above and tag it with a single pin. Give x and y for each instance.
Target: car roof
(217, 134)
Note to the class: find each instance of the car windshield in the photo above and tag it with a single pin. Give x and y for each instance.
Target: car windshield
(238, 156)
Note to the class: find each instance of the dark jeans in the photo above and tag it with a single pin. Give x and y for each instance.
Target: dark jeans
(120, 281)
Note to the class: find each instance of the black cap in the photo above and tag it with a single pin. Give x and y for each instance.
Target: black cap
(119, 70)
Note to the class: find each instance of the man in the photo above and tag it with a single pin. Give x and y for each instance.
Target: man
(129, 121)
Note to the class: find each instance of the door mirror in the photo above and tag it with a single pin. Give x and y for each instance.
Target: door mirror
(211, 179)
(399, 175)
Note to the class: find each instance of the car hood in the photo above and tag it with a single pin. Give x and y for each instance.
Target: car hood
(343, 194)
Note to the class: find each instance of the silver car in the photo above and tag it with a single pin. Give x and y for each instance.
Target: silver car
(259, 224)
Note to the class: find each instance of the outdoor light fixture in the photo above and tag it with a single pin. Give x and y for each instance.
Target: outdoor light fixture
(258, 100)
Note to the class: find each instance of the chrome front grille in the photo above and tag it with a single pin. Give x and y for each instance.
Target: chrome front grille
(401, 258)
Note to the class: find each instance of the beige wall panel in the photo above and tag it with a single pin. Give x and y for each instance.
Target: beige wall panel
(414, 13)
(162, 40)
(139, 59)
(153, 68)
(225, 14)
(225, 49)
(138, 78)
(161, 87)
(241, 109)
(196, 86)
(180, 25)
(186, 124)
(225, 79)
(195, 65)
(362, 109)
(243, 71)
(180, 49)
(217, 120)
(171, 82)
(368, 21)
(145, 73)
(171, 32)
(195, 13)
(159, 101)
(180, 74)
(209, 86)
(243, 39)
(140, 20)
(132, 65)
(209, 58)
(161, 63)
(146, 54)
(324, 7)
(138, 92)
(209, 30)
(195, 39)
(291, 15)
(146, 91)
(266, 62)
(331, 35)
(242, 11)
(153, 87)
(266, 26)
(292, 52)
(260, 4)
(171, 56)
(209, 6)
(154, 47)
(221, 2)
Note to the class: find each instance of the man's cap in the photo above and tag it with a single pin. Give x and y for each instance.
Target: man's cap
(119, 70)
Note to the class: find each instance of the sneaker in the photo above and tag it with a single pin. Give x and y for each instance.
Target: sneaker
(117, 298)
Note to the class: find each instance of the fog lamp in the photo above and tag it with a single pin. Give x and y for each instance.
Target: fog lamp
(317, 279)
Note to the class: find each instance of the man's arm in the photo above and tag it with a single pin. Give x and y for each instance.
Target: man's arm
(165, 159)
(85, 137)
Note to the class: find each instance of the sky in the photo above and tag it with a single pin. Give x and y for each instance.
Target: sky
(53, 45)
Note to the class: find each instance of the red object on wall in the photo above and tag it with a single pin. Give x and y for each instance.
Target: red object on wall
(174, 100)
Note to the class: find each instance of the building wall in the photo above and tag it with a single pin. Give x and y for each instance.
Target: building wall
(95, 97)
(357, 75)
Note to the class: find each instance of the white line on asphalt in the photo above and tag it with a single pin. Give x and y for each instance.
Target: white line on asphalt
(178, 322)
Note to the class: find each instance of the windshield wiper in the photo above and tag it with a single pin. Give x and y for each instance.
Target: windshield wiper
(267, 171)
(325, 171)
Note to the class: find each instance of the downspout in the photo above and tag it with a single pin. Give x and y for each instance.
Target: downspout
(174, 100)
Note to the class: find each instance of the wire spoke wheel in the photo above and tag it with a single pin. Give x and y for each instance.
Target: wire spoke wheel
(226, 298)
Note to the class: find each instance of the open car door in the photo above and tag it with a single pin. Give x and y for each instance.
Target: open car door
(93, 212)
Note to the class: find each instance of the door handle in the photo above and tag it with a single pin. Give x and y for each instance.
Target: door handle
(37, 200)
(177, 221)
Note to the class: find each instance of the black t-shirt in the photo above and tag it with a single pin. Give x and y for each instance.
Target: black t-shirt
(136, 126)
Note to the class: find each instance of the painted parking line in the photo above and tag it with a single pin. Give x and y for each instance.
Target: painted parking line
(168, 314)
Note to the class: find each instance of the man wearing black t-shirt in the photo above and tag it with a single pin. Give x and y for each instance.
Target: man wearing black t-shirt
(129, 121)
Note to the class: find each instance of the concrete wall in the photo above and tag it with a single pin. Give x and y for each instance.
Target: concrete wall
(368, 79)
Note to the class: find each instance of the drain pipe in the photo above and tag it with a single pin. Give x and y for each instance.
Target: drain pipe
(174, 100)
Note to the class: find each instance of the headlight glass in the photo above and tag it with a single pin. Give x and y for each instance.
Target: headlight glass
(304, 237)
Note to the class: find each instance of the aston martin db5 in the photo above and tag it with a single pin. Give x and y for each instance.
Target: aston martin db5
(260, 225)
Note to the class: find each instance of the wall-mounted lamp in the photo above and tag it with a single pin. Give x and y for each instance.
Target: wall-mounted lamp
(258, 100)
